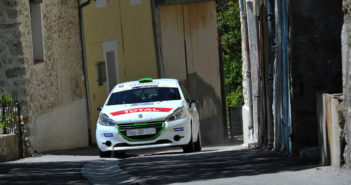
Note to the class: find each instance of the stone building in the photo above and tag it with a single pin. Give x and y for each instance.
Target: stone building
(41, 66)
(291, 52)
(346, 66)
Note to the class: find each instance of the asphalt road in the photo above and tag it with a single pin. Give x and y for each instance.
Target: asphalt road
(215, 165)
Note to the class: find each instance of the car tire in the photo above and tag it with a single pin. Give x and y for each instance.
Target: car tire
(198, 144)
(119, 154)
(105, 154)
(190, 146)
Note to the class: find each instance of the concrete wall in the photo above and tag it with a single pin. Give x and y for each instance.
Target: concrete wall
(190, 54)
(43, 88)
(315, 62)
(330, 128)
(346, 66)
(8, 147)
(130, 25)
(248, 133)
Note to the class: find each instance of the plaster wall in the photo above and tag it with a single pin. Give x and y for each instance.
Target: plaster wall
(172, 34)
(130, 25)
(190, 54)
(203, 67)
(53, 131)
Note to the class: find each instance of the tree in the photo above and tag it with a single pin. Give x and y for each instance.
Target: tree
(228, 18)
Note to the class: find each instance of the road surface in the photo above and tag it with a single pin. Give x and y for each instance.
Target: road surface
(215, 165)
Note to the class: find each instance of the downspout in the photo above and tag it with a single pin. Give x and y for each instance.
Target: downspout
(187, 83)
(286, 80)
(82, 42)
(277, 90)
(271, 31)
(157, 35)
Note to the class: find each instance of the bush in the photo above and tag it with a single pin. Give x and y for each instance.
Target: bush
(229, 27)
(6, 100)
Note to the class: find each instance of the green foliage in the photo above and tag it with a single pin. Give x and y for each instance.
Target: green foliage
(228, 18)
(6, 100)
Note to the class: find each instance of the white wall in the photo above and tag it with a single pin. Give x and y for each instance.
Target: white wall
(63, 128)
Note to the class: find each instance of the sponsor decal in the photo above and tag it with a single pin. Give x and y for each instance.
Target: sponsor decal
(108, 134)
(143, 109)
(178, 129)
(140, 116)
(144, 86)
(138, 104)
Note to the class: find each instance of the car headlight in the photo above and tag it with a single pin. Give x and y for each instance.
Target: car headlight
(106, 121)
(179, 113)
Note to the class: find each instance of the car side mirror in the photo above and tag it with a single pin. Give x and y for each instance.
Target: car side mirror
(192, 101)
(99, 108)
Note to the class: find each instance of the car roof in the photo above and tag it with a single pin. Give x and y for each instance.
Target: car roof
(162, 82)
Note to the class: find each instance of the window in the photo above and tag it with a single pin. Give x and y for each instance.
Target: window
(101, 73)
(100, 3)
(37, 31)
(142, 95)
(186, 94)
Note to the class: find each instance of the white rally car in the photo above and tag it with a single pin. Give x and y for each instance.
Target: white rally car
(148, 113)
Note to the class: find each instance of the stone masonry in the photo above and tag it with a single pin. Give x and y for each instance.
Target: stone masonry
(52, 87)
(346, 66)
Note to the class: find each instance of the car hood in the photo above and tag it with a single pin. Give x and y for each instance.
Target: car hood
(141, 112)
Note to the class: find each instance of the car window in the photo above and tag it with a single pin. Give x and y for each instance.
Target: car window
(141, 95)
(186, 94)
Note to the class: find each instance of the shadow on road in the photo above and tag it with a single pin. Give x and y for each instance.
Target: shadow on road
(89, 151)
(42, 173)
(202, 166)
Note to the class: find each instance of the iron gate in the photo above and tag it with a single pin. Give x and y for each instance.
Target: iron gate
(11, 122)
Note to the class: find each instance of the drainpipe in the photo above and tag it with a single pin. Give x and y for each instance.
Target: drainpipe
(80, 12)
(285, 77)
(271, 31)
(157, 35)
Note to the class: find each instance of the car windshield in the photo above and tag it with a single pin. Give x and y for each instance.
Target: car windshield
(142, 95)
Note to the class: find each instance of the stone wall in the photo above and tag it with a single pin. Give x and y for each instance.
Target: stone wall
(12, 61)
(315, 62)
(12, 68)
(50, 92)
(8, 147)
(346, 66)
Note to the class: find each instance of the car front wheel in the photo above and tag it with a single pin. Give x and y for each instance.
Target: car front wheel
(105, 154)
(198, 144)
(119, 154)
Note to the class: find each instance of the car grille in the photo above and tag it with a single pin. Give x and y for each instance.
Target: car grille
(163, 141)
(122, 129)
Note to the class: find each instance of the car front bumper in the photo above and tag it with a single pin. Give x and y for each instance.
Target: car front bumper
(110, 139)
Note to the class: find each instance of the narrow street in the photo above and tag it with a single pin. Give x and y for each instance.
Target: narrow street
(215, 165)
